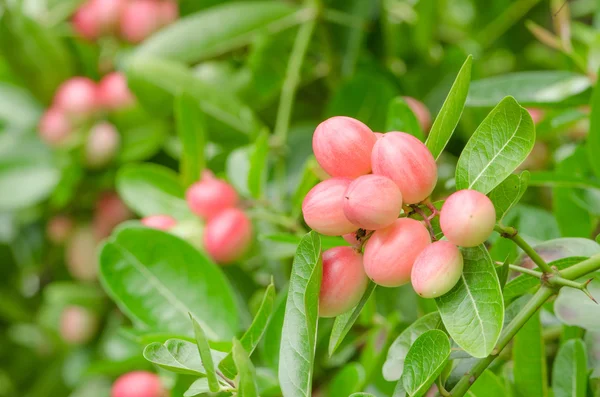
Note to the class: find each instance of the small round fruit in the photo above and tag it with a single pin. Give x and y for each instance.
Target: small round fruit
(55, 127)
(372, 202)
(81, 255)
(107, 14)
(391, 252)
(77, 98)
(228, 236)
(406, 161)
(169, 12)
(59, 228)
(343, 145)
(210, 196)
(160, 222)
(77, 325)
(110, 211)
(467, 218)
(138, 384)
(113, 92)
(140, 19)
(102, 144)
(85, 22)
(437, 269)
(344, 281)
(323, 207)
(420, 111)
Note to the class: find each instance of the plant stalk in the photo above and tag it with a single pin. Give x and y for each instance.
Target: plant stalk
(511, 233)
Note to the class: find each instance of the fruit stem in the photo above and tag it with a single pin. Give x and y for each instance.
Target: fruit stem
(512, 234)
(225, 379)
(524, 270)
(426, 219)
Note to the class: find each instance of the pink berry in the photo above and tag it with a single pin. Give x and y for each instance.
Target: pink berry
(467, 218)
(138, 384)
(102, 144)
(342, 146)
(85, 22)
(210, 196)
(77, 97)
(110, 211)
(228, 236)
(407, 161)
(81, 254)
(169, 12)
(160, 222)
(372, 202)
(420, 111)
(323, 207)
(437, 269)
(113, 92)
(59, 228)
(108, 14)
(391, 252)
(140, 19)
(77, 325)
(537, 115)
(344, 281)
(55, 127)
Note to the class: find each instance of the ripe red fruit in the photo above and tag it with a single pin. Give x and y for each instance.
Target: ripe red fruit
(107, 13)
(160, 222)
(228, 236)
(372, 202)
(437, 269)
(420, 111)
(323, 207)
(537, 115)
(138, 384)
(210, 196)
(342, 146)
(77, 98)
(109, 212)
(391, 252)
(54, 127)
(85, 22)
(113, 92)
(78, 325)
(102, 144)
(140, 19)
(407, 161)
(59, 228)
(467, 218)
(81, 254)
(344, 281)
(169, 12)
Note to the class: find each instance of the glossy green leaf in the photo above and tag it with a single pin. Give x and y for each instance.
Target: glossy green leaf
(19, 110)
(559, 248)
(191, 129)
(569, 374)
(347, 380)
(298, 339)
(204, 35)
(258, 165)
(157, 279)
(205, 356)
(247, 374)
(473, 311)
(573, 307)
(449, 115)
(529, 88)
(529, 358)
(142, 141)
(425, 361)
(552, 178)
(593, 138)
(361, 394)
(29, 181)
(401, 118)
(487, 385)
(200, 386)
(344, 322)
(307, 181)
(396, 356)
(254, 334)
(508, 193)
(178, 356)
(501, 142)
(151, 189)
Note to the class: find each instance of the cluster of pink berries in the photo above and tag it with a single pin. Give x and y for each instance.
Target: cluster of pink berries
(374, 179)
(228, 232)
(131, 20)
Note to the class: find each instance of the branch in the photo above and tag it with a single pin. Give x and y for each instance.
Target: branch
(511, 233)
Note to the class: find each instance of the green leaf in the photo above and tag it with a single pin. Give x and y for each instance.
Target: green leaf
(142, 141)
(200, 386)
(152, 189)
(529, 88)
(237, 169)
(473, 311)
(503, 271)
(487, 385)
(569, 374)
(19, 110)
(298, 339)
(396, 356)
(29, 181)
(258, 165)
(573, 307)
(401, 118)
(361, 394)
(254, 334)
(593, 138)
(205, 356)
(552, 178)
(347, 380)
(560, 248)
(449, 115)
(247, 375)
(204, 35)
(307, 181)
(157, 279)
(501, 142)
(179, 356)
(508, 193)
(192, 134)
(529, 357)
(344, 322)
(425, 361)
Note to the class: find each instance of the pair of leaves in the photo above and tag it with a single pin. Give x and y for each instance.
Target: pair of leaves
(569, 374)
